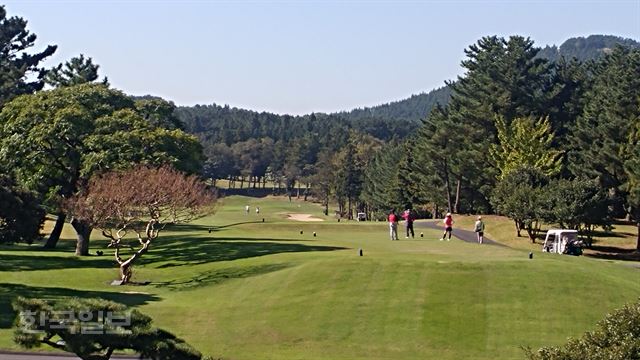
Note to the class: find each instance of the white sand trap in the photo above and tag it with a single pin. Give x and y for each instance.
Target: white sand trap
(303, 217)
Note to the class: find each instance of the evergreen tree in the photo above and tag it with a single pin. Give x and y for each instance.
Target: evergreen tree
(20, 72)
(78, 70)
(600, 137)
(408, 181)
(380, 186)
(439, 160)
(632, 172)
(502, 78)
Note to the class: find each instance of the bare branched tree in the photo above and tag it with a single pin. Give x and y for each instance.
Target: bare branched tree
(142, 200)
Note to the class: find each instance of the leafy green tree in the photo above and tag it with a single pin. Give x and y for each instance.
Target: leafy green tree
(94, 329)
(520, 196)
(220, 162)
(579, 204)
(159, 112)
(21, 215)
(616, 337)
(55, 140)
(78, 70)
(525, 143)
(20, 72)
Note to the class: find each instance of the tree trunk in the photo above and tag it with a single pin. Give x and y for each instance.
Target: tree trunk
(638, 237)
(517, 227)
(298, 195)
(531, 233)
(447, 187)
(306, 192)
(53, 238)
(126, 267)
(455, 205)
(241, 181)
(83, 231)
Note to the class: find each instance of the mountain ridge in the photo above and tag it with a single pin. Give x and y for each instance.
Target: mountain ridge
(416, 107)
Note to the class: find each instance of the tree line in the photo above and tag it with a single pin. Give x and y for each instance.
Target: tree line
(252, 148)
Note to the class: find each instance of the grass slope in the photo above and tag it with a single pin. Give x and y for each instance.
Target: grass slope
(254, 290)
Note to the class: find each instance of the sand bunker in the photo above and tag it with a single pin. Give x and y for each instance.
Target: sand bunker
(303, 217)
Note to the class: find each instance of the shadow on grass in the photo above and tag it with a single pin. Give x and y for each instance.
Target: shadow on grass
(613, 253)
(610, 234)
(219, 276)
(8, 292)
(186, 250)
(206, 228)
(11, 262)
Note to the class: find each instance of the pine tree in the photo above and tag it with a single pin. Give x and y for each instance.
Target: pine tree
(379, 188)
(632, 172)
(78, 70)
(600, 137)
(503, 77)
(20, 71)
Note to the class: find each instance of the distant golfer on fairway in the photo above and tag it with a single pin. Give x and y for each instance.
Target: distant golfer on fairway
(479, 229)
(393, 225)
(409, 218)
(448, 226)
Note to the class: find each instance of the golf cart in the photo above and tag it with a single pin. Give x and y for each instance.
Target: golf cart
(561, 241)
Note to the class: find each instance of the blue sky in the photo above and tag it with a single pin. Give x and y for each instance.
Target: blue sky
(297, 57)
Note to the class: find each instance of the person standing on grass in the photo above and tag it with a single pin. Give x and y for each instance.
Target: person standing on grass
(408, 217)
(393, 225)
(246, 209)
(448, 227)
(479, 229)
(257, 209)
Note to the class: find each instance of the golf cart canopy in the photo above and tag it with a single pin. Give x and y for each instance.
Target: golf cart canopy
(557, 240)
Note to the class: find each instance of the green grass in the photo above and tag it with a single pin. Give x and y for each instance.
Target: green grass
(254, 290)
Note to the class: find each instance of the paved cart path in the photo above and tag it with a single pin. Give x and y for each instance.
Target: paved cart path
(464, 235)
(48, 356)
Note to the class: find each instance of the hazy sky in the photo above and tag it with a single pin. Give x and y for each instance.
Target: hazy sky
(300, 56)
